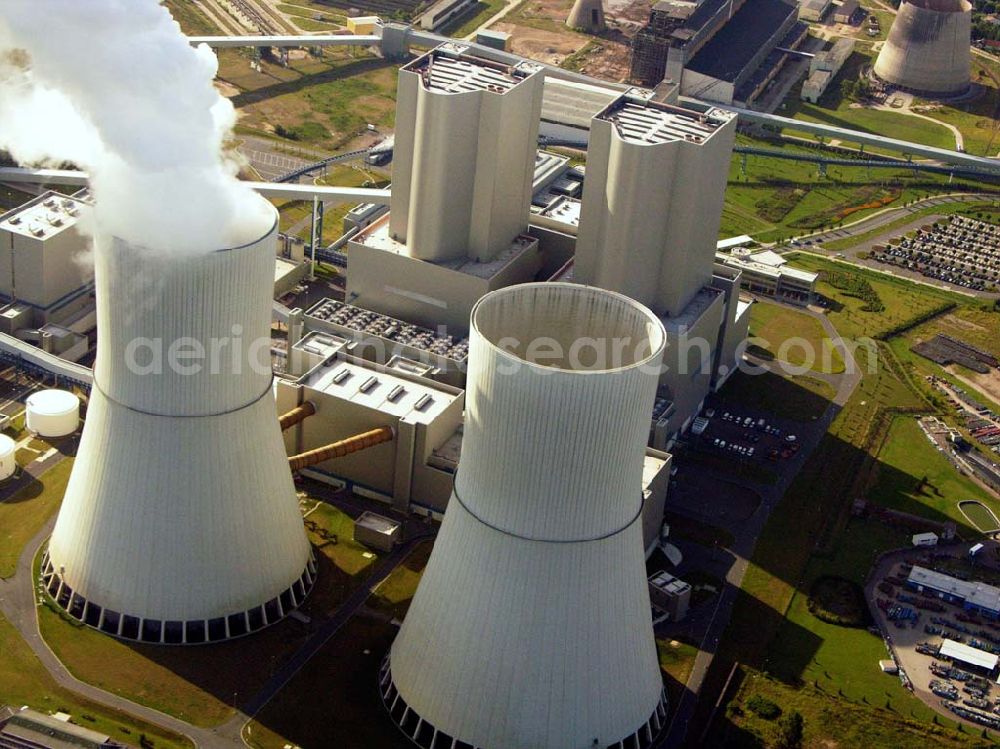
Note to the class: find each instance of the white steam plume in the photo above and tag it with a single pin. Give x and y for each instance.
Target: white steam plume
(114, 86)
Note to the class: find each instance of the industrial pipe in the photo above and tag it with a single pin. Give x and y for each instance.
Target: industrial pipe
(297, 414)
(341, 448)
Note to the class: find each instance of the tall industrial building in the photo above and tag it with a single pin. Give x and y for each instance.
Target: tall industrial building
(929, 48)
(180, 523)
(652, 200)
(648, 228)
(466, 134)
(531, 624)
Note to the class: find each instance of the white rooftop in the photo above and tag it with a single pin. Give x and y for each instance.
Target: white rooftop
(43, 217)
(367, 384)
(979, 594)
(640, 120)
(377, 235)
(448, 69)
(967, 654)
(668, 583)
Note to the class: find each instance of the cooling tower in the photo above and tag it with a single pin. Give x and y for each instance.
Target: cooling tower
(928, 50)
(531, 626)
(180, 522)
(587, 15)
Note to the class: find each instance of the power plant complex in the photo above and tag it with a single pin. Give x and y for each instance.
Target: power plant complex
(532, 624)
(928, 51)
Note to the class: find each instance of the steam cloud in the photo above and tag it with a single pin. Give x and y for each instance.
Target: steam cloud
(114, 87)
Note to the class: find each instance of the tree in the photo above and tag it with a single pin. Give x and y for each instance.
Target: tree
(790, 730)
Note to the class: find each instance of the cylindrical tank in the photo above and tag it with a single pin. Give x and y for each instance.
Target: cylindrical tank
(52, 413)
(531, 625)
(180, 522)
(8, 464)
(929, 48)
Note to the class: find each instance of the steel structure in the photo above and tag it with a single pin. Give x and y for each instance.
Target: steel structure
(531, 624)
(180, 522)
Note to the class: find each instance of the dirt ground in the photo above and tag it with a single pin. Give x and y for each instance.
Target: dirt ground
(538, 31)
(989, 383)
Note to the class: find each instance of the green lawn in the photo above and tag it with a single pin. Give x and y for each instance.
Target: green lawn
(24, 514)
(24, 681)
(802, 397)
(914, 477)
(394, 594)
(980, 516)
(199, 685)
(793, 337)
(988, 211)
(904, 300)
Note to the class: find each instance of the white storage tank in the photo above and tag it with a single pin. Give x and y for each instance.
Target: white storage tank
(53, 413)
(7, 463)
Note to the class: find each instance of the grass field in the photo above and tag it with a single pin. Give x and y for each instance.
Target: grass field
(471, 20)
(773, 199)
(986, 211)
(394, 594)
(200, 685)
(914, 477)
(978, 325)
(904, 300)
(28, 509)
(793, 337)
(24, 681)
(802, 397)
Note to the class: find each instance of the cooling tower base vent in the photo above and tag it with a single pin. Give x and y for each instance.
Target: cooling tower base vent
(426, 735)
(176, 632)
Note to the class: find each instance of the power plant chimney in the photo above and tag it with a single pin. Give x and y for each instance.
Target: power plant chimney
(531, 625)
(587, 15)
(180, 522)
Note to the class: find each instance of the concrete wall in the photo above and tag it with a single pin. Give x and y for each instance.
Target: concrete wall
(47, 274)
(928, 50)
(423, 292)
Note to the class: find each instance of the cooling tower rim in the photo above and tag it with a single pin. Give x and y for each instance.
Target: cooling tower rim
(963, 6)
(272, 210)
(7, 446)
(655, 331)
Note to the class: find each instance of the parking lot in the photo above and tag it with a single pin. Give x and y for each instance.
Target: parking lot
(744, 437)
(961, 251)
(916, 625)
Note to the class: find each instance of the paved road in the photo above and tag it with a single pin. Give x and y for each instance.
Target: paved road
(809, 437)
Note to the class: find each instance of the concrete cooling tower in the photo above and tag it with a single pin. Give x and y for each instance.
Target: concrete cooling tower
(928, 50)
(531, 626)
(587, 15)
(180, 522)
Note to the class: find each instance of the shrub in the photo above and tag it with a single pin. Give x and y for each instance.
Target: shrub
(763, 707)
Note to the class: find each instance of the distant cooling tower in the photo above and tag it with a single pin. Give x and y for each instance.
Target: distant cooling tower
(587, 15)
(180, 522)
(928, 50)
(531, 626)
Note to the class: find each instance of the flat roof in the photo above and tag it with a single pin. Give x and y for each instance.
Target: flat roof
(320, 344)
(668, 583)
(699, 304)
(378, 523)
(638, 119)
(729, 243)
(371, 323)
(728, 53)
(574, 104)
(449, 69)
(967, 654)
(32, 725)
(978, 594)
(377, 235)
(367, 384)
(44, 216)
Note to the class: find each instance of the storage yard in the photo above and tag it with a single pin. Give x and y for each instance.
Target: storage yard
(961, 251)
(942, 633)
